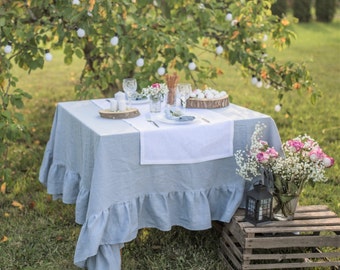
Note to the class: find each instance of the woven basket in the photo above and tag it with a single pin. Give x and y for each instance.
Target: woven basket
(204, 103)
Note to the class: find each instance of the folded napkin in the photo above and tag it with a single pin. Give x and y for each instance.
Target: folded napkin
(191, 142)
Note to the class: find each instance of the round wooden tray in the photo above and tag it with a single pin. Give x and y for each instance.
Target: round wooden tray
(205, 103)
(129, 113)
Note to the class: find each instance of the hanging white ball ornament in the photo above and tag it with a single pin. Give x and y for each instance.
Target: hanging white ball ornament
(192, 66)
(265, 37)
(229, 16)
(8, 48)
(161, 71)
(81, 32)
(253, 80)
(259, 83)
(219, 49)
(277, 108)
(140, 62)
(75, 2)
(114, 41)
(48, 56)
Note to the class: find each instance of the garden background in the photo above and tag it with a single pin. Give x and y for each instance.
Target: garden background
(39, 233)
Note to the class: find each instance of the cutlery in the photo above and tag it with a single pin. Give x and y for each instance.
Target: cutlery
(148, 118)
(205, 120)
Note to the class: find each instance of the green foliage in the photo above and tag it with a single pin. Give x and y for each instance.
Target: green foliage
(280, 8)
(43, 235)
(325, 10)
(302, 10)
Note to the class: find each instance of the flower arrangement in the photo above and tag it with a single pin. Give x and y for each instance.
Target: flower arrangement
(302, 161)
(156, 90)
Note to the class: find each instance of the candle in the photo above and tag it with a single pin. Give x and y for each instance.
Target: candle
(113, 105)
(122, 105)
(120, 96)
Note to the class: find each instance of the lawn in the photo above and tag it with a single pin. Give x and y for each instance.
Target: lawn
(39, 233)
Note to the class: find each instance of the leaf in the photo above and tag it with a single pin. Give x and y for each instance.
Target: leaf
(3, 188)
(4, 239)
(17, 204)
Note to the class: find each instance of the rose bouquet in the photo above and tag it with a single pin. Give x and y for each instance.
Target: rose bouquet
(302, 161)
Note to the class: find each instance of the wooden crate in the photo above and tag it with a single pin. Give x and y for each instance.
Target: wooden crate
(283, 244)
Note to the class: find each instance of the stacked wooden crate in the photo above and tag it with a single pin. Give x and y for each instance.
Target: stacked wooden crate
(312, 239)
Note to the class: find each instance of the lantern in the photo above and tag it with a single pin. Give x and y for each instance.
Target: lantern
(259, 205)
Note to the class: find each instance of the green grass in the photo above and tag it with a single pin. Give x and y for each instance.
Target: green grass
(43, 234)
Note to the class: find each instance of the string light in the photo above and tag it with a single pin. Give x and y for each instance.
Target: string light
(48, 56)
(192, 65)
(253, 80)
(140, 62)
(161, 71)
(228, 16)
(219, 49)
(277, 107)
(8, 47)
(259, 83)
(265, 37)
(114, 40)
(81, 32)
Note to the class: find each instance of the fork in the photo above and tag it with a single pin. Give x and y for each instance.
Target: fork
(148, 118)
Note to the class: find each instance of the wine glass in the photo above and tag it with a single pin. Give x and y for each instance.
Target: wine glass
(184, 90)
(130, 88)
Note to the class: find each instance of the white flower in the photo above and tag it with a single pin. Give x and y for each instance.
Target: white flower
(156, 90)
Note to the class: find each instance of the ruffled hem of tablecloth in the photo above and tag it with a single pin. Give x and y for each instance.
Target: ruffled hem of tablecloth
(64, 184)
(193, 210)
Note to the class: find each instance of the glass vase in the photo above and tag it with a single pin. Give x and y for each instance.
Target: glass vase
(155, 104)
(284, 206)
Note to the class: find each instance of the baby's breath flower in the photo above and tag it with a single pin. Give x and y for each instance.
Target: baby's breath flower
(303, 160)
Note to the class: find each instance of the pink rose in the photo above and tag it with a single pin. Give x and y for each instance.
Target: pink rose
(316, 154)
(294, 145)
(328, 161)
(272, 152)
(155, 85)
(262, 157)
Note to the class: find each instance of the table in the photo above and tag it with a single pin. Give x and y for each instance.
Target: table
(94, 163)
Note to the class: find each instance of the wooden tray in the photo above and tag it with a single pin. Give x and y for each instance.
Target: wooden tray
(205, 103)
(129, 113)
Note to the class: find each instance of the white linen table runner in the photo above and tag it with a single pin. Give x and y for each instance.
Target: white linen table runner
(182, 143)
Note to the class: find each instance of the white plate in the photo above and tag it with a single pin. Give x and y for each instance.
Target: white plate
(165, 120)
(140, 101)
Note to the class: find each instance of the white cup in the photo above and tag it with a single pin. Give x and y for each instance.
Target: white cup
(122, 105)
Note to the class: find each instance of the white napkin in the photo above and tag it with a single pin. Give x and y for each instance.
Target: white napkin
(185, 143)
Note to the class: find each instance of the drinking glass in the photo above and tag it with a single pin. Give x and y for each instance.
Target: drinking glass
(130, 88)
(184, 91)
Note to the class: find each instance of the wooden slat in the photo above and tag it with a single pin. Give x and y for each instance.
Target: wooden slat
(230, 255)
(290, 265)
(292, 223)
(293, 241)
(313, 208)
(273, 230)
(229, 242)
(285, 256)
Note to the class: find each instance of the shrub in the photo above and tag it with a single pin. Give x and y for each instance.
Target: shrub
(280, 8)
(325, 10)
(302, 10)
